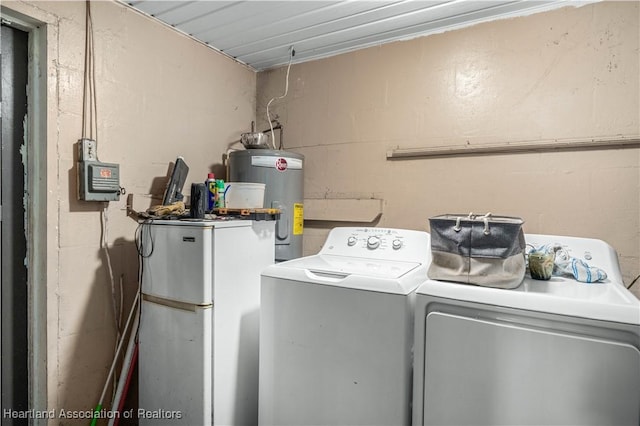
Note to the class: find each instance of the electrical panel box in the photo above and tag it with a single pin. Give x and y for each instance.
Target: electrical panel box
(97, 181)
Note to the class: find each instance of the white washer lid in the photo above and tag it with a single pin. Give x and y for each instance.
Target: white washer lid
(385, 276)
(344, 265)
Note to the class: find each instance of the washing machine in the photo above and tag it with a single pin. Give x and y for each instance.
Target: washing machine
(336, 330)
(558, 352)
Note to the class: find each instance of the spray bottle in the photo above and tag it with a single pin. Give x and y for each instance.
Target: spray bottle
(211, 191)
(220, 202)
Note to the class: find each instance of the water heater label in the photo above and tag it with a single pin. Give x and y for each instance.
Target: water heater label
(298, 218)
(280, 163)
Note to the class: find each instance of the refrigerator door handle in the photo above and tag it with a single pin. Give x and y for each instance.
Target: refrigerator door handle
(175, 303)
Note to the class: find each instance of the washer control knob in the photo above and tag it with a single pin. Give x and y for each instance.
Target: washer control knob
(396, 244)
(351, 241)
(373, 243)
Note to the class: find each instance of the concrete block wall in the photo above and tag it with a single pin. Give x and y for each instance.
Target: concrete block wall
(160, 94)
(570, 73)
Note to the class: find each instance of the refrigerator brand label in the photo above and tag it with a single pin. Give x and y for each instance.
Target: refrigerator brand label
(189, 239)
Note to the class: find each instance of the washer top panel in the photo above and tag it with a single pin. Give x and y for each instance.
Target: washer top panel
(379, 243)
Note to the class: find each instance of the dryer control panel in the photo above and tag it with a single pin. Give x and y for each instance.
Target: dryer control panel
(378, 243)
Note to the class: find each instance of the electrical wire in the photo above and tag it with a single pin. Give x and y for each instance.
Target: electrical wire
(105, 246)
(85, 94)
(90, 131)
(633, 282)
(94, 96)
(139, 240)
(114, 306)
(89, 104)
(143, 252)
(286, 90)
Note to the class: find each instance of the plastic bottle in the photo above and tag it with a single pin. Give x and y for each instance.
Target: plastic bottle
(220, 193)
(211, 191)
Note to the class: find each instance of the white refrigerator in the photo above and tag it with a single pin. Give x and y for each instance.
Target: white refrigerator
(199, 323)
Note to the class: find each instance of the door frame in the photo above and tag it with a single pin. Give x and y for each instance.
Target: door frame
(36, 209)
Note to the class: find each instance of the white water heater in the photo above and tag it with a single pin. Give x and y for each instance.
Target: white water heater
(282, 173)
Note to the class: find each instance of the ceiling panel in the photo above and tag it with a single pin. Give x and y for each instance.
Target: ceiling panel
(251, 17)
(343, 27)
(191, 11)
(285, 25)
(357, 32)
(156, 8)
(260, 33)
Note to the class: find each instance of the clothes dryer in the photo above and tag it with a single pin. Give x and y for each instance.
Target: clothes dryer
(336, 330)
(548, 352)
